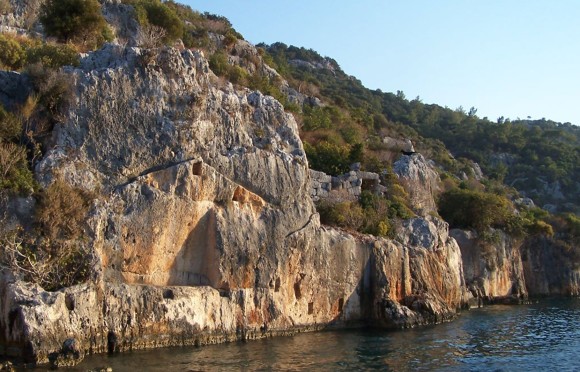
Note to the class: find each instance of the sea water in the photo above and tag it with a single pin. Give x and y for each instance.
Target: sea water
(537, 337)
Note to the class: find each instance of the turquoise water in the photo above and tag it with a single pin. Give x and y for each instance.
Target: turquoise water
(541, 336)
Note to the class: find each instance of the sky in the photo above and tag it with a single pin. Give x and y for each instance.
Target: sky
(511, 58)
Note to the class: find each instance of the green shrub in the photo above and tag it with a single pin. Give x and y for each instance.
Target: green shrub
(316, 118)
(328, 157)
(159, 14)
(466, 208)
(54, 55)
(230, 38)
(53, 88)
(10, 126)
(541, 228)
(347, 214)
(573, 222)
(370, 215)
(237, 75)
(12, 54)
(218, 62)
(79, 21)
(376, 214)
(351, 134)
(15, 176)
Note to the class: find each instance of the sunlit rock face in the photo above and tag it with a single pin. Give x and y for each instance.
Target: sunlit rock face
(419, 278)
(203, 229)
(493, 270)
(420, 180)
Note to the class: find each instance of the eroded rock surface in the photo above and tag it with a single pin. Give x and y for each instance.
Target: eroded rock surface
(550, 268)
(204, 229)
(420, 180)
(493, 270)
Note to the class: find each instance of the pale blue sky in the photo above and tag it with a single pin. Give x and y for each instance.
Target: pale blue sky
(512, 58)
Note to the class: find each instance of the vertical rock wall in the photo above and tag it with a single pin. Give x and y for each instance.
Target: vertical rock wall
(550, 268)
(204, 230)
(493, 270)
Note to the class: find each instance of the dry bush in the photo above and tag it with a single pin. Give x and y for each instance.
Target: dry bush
(151, 36)
(54, 92)
(62, 210)
(59, 259)
(52, 269)
(5, 7)
(11, 155)
(31, 13)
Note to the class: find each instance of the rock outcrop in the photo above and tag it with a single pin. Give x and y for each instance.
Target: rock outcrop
(351, 184)
(204, 230)
(550, 268)
(420, 180)
(493, 270)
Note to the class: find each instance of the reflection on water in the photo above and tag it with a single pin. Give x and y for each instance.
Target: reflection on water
(497, 338)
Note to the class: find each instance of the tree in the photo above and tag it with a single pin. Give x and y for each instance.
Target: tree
(153, 12)
(465, 208)
(356, 154)
(78, 21)
(328, 157)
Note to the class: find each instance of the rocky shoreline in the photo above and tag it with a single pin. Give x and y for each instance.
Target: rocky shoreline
(202, 228)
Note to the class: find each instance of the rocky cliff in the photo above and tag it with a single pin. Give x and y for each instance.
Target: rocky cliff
(202, 229)
(493, 270)
(551, 268)
(201, 226)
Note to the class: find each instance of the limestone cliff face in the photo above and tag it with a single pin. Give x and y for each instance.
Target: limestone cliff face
(493, 271)
(420, 180)
(550, 269)
(419, 278)
(204, 230)
(511, 270)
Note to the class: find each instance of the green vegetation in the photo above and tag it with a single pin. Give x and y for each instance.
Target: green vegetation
(479, 210)
(346, 123)
(528, 154)
(535, 157)
(23, 129)
(371, 213)
(18, 52)
(12, 54)
(53, 55)
(173, 21)
(154, 12)
(77, 21)
(15, 174)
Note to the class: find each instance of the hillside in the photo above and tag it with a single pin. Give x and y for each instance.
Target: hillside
(540, 158)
